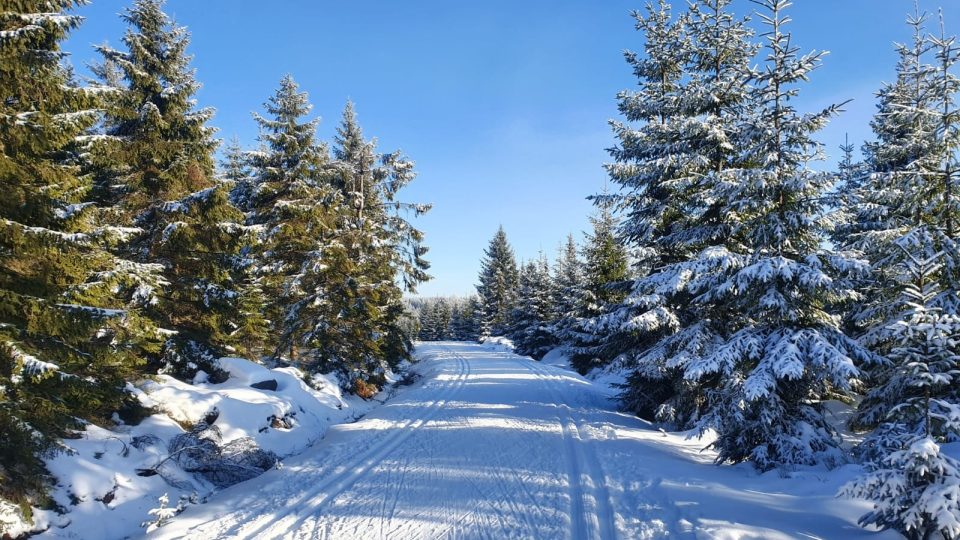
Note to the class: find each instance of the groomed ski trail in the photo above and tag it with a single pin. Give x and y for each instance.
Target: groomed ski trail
(488, 445)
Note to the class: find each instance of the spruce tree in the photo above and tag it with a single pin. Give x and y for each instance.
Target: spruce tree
(461, 317)
(471, 314)
(781, 351)
(531, 318)
(689, 117)
(387, 246)
(497, 287)
(443, 315)
(568, 291)
(67, 347)
(878, 212)
(428, 325)
(235, 169)
(236, 177)
(294, 212)
(156, 172)
(912, 484)
(907, 184)
(605, 272)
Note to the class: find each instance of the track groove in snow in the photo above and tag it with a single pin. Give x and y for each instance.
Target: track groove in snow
(337, 484)
(591, 508)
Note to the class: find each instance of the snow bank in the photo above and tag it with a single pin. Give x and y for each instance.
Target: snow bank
(98, 482)
(497, 343)
(558, 357)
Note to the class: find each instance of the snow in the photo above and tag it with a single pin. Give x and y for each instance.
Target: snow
(497, 343)
(489, 444)
(31, 365)
(70, 210)
(97, 477)
(558, 358)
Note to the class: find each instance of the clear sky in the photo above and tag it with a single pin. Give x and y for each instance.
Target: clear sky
(503, 104)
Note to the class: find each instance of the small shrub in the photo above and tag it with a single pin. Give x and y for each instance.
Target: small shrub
(364, 389)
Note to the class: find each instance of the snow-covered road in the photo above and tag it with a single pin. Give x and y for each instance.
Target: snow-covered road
(492, 445)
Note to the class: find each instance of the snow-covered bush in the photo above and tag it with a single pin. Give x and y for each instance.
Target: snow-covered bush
(916, 491)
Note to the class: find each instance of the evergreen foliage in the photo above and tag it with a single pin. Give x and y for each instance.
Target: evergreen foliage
(782, 350)
(123, 252)
(915, 487)
(606, 270)
(568, 294)
(465, 320)
(736, 286)
(155, 171)
(531, 321)
(497, 287)
(235, 170)
(294, 212)
(694, 91)
(65, 349)
(448, 318)
(731, 324)
(904, 194)
(336, 250)
(378, 235)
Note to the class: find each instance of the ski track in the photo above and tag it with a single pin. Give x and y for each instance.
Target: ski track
(313, 502)
(594, 512)
(490, 445)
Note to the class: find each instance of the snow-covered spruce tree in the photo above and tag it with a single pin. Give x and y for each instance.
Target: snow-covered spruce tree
(497, 287)
(456, 320)
(428, 321)
(473, 315)
(378, 234)
(65, 351)
(915, 491)
(567, 292)
(911, 169)
(532, 316)
(294, 210)
(156, 172)
(442, 318)
(876, 212)
(342, 283)
(237, 178)
(235, 169)
(780, 352)
(606, 270)
(464, 320)
(443, 315)
(350, 309)
(850, 177)
(680, 147)
(915, 488)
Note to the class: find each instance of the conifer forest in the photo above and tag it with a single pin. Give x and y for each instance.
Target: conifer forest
(209, 338)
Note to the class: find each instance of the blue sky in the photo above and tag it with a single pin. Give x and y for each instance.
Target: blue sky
(503, 104)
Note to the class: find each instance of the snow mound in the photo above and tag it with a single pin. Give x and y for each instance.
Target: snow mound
(109, 480)
(558, 357)
(497, 343)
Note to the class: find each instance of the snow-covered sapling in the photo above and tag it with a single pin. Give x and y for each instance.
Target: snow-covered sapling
(914, 486)
(162, 514)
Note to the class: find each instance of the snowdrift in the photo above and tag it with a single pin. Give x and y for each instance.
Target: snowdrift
(108, 480)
